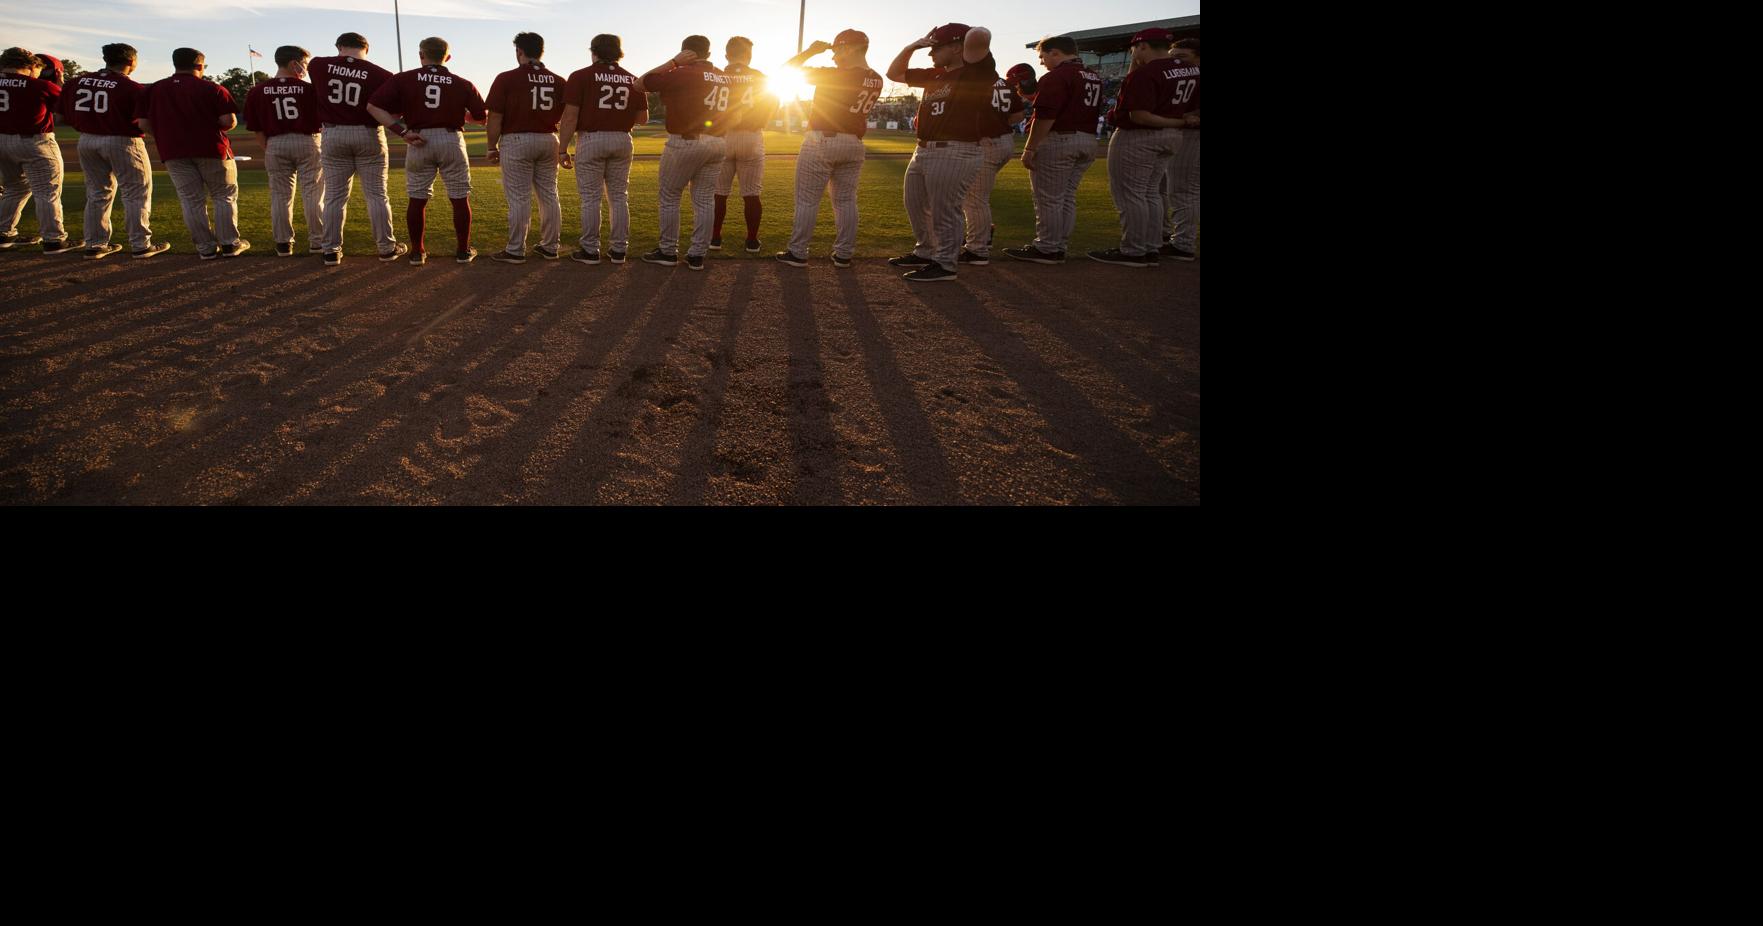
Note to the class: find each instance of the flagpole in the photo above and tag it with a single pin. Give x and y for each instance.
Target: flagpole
(398, 30)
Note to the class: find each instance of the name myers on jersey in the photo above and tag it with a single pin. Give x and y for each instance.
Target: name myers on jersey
(433, 77)
(600, 78)
(1181, 72)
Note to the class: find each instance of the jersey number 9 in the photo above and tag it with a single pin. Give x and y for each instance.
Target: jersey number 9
(434, 96)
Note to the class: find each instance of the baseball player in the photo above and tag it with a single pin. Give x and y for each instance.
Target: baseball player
(1146, 134)
(745, 141)
(188, 118)
(283, 111)
(602, 102)
(1060, 147)
(102, 106)
(436, 103)
(525, 104)
(1181, 184)
(997, 145)
(30, 160)
(352, 144)
(697, 97)
(833, 148)
(956, 93)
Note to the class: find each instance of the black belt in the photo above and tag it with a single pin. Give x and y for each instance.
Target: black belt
(837, 134)
(943, 144)
(348, 125)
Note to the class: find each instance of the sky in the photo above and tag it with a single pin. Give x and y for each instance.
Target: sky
(481, 31)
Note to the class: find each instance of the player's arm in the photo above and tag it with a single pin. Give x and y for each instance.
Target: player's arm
(814, 49)
(397, 125)
(1192, 120)
(476, 111)
(977, 45)
(493, 131)
(685, 57)
(897, 69)
(1146, 117)
(566, 134)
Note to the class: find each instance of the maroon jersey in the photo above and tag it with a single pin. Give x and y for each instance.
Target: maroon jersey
(1005, 111)
(344, 86)
(1187, 89)
(185, 111)
(697, 97)
(747, 91)
(1150, 87)
(104, 103)
(843, 98)
(1069, 96)
(953, 101)
(530, 99)
(27, 105)
(282, 106)
(431, 97)
(607, 98)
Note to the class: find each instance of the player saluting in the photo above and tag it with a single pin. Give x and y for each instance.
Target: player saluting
(353, 144)
(436, 103)
(30, 160)
(283, 111)
(602, 102)
(956, 93)
(188, 118)
(833, 148)
(525, 104)
(1147, 126)
(1060, 147)
(696, 95)
(102, 106)
(745, 141)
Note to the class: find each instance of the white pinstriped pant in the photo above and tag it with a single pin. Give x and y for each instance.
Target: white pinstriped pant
(529, 165)
(1136, 162)
(976, 208)
(197, 180)
(1060, 162)
(295, 163)
(351, 150)
(1181, 193)
(603, 160)
(31, 165)
(696, 161)
(827, 157)
(745, 159)
(444, 155)
(101, 157)
(936, 184)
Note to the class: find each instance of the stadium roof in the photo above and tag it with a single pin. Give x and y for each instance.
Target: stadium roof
(1113, 38)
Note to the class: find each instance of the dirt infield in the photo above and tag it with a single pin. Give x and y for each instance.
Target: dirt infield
(272, 381)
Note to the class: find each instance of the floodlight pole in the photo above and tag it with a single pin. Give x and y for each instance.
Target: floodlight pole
(801, 17)
(398, 32)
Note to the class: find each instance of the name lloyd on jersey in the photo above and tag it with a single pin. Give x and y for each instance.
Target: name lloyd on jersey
(534, 77)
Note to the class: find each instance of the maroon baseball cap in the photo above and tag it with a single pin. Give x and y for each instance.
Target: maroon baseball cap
(1019, 73)
(52, 65)
(953, 32)
(1154, 36)
(850, 37)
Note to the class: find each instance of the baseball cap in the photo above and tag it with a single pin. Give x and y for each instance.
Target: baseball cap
(953, 32)
(850, 37)
(1019, 73)
(1154, 36)
(52, 66)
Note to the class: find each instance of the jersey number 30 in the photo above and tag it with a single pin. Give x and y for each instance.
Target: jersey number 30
(348, 94)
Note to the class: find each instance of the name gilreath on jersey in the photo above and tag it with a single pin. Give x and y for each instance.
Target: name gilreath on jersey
(282, 89)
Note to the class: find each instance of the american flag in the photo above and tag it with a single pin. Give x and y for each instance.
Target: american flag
(254, 52)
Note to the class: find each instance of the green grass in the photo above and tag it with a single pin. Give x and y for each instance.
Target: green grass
(883, 227)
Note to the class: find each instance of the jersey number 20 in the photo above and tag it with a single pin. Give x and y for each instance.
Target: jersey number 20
(91, 101)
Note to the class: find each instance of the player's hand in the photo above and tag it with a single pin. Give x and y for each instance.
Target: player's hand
(414, 139)
(495, 155)
(818, 46)
(685, 57)
(926, 42)
(565, 161)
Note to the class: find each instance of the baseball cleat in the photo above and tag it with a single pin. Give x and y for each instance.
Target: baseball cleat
(547, 254)
(661, 257)
(932, 274)
(150, 250)
(315, 249)
(695, 261)
(1170, 250)
(234, 250)
(972, 259)
(102, 251)
(14, 240)
(208, 255)
(58, 247)
(466, 256)
(333, 259)
(910, 260)
(1114, 256)
(616, 257)
(508, 257)
(1035, 255)
(284, 249)
(785, 257)
(716, 243)
(418, 258)
(585, 256)
(398, 250)
(841, 262)
(752, 245)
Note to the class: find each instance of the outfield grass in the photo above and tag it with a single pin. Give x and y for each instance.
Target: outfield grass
(883, 227)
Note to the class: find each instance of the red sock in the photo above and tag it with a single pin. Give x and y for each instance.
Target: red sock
(462, 221)
(413, 220)
(753, 208)
(721, 211)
